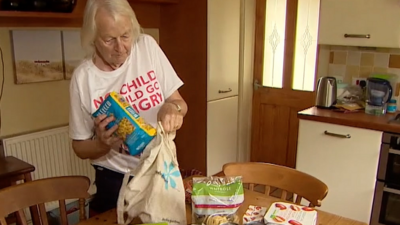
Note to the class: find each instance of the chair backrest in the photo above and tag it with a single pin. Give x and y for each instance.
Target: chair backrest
(18, 197)
(287, 179)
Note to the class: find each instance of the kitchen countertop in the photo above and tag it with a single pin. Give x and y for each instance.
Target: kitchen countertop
(359, 119)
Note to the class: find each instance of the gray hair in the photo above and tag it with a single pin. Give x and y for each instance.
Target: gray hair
(115, 8)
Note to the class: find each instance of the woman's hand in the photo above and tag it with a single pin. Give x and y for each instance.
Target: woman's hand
(171, 119)
(105, 138)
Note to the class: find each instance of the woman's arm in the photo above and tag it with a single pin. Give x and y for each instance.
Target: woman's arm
(177, 99)
(102, 143)
(172, 112)
(89, 149)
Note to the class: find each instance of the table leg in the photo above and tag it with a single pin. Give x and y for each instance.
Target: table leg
(33, 209)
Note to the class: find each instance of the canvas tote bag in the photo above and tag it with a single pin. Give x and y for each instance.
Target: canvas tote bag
(155, 193)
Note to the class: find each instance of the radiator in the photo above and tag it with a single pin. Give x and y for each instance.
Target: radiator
(50, 151)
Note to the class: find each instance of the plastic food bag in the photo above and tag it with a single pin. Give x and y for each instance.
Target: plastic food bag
(132, 129)
(215, 200)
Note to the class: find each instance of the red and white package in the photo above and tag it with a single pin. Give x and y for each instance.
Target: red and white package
(254, 214)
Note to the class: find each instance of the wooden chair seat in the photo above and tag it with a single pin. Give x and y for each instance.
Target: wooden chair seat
(18, 197)
(289, 180)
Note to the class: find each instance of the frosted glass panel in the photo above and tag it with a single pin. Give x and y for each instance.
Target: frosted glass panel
(306, 45)
(274, 43)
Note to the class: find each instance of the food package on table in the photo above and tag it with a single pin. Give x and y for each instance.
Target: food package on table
(215, 200)
(132, 129)
(254, 214)
(290, 214)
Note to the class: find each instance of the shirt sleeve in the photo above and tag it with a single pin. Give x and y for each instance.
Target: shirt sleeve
(80, 121)
(166, 75)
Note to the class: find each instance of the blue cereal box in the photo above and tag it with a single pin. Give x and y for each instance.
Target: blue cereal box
(132, 129)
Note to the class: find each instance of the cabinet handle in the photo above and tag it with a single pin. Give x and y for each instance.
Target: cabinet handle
(391, 190)
(337, 135)
(224, 91)
(394, 151)
(357, 35)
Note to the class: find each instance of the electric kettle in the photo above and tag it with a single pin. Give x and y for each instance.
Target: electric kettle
(326, 92)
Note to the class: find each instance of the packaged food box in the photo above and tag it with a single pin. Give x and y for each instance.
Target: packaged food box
(290, 214)
(132, 129)
(254, 214)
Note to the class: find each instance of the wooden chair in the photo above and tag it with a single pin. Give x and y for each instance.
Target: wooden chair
(287, 179)
(18, 197)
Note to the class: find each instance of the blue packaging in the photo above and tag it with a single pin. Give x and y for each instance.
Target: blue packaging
(132, 129)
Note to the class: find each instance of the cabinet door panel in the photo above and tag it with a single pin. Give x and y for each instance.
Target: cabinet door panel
(338, 17)
(223, 48)
(347, 165)
(377, 18)
(222, 119)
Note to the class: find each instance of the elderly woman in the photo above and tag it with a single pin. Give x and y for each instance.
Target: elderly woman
(119, 58)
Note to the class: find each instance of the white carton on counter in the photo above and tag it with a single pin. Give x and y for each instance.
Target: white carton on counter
(290, 214)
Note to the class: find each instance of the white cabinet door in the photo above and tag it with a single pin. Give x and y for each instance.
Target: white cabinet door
(223, 48)
(222, 117)
(347, 165)
(378, 18)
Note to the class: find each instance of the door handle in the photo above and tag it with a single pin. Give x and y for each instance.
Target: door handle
(224, 91)
(337, 135)
(257, 85)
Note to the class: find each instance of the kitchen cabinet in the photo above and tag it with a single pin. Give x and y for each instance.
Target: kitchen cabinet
(347, 164)
(222, 133)
(147, 12)
(223, 42)
(380, 19)
(223, 33)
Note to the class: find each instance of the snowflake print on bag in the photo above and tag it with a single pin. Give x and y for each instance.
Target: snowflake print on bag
(170, 174)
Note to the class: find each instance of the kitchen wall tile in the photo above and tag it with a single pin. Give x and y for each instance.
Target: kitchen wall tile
(395, 50)
(394, 61)
(338, 48)
(367, 59)
(365, 71)
(340, 57)
(379, 70)
(352, 71)
(353, 58)
(331, 56)
(394, 71)
(336, 70)
(349, 61)
(384, 50)
(381, 60)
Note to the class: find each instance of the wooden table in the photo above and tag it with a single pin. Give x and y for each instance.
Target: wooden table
(13, 170)
(251, 198)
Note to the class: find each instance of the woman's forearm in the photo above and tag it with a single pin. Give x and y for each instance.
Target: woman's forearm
(89, 149)
(181, 103)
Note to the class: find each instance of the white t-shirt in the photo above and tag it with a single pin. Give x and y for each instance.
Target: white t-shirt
(146, 79)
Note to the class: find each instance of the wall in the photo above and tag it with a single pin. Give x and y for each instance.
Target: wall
(246, 78)
(31, 107)
(349, 63)
(183, 37)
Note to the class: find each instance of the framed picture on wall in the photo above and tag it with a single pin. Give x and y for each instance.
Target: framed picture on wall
(37, 55)
(73, 52)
